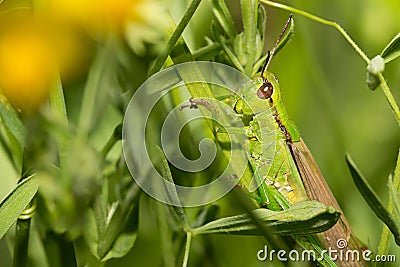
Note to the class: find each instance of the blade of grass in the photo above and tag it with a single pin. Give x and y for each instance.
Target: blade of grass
(59, 109)
(306, 217)
(207, 52)
(384, 243)
(121, 230)
(174, 37)
(15, 131)
(177, 211)
(372, 199)
(392, 50)
(221, 12)
(12, 206)
(395, 196)
(91, 92)
(165, 235)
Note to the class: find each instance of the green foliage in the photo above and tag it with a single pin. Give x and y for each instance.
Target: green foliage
(306, 217)
(392, 50)
(373, 201)
(13, 205)
(90, 212)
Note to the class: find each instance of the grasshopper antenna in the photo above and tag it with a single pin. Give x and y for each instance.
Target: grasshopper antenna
(272, 52)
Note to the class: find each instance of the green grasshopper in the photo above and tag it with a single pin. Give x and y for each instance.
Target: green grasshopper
(284, 170)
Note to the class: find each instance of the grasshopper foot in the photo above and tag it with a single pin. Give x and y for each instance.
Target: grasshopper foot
(194, 104)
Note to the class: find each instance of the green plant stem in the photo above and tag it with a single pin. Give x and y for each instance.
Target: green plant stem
(21, 243)
(385, 88)
(174, 37)
(384, 243)
(114, 138)
(187, 249)
(390, 98)
(320, 20)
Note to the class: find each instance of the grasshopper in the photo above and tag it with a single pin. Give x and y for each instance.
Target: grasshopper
(284, 170)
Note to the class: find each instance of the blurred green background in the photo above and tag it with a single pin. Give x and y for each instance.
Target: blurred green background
(323, 81)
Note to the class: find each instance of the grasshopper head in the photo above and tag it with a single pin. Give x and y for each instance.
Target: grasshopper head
(260, 94)
(269, 89)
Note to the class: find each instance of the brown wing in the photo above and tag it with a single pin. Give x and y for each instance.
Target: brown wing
(317, 189)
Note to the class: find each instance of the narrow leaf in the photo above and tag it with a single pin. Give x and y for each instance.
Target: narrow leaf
(392, 50)
(221, 12)
(372, 199)
(262, 23)
(231, 55)
(12, 122)
(208, 52)
(121, 230)
(306, 217)
(166, 234)
(14, 128)
(171, 192)
(91, 92)
(12, 206)
(206, 215)
(394, 194)
(175, 36)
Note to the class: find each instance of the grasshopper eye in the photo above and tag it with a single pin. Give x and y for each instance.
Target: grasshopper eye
(265, 91)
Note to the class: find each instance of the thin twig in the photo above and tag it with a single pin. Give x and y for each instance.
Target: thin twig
(187, 249)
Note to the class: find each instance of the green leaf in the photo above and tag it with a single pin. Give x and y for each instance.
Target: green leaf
(91, 93)
(172, 194)
(120, 232)
(372, 199)
(166, 234)
(15, 130)
(221, 12)
(394, 194)
(306, 217)
(208, 52)
(125, 241)
(236, 61)
(206, 215)
(13, 205)
(262, 24)
(392, 50)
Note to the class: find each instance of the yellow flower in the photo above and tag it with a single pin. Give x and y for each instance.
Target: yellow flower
(26, 65)
(98, 14)
(139, 20)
